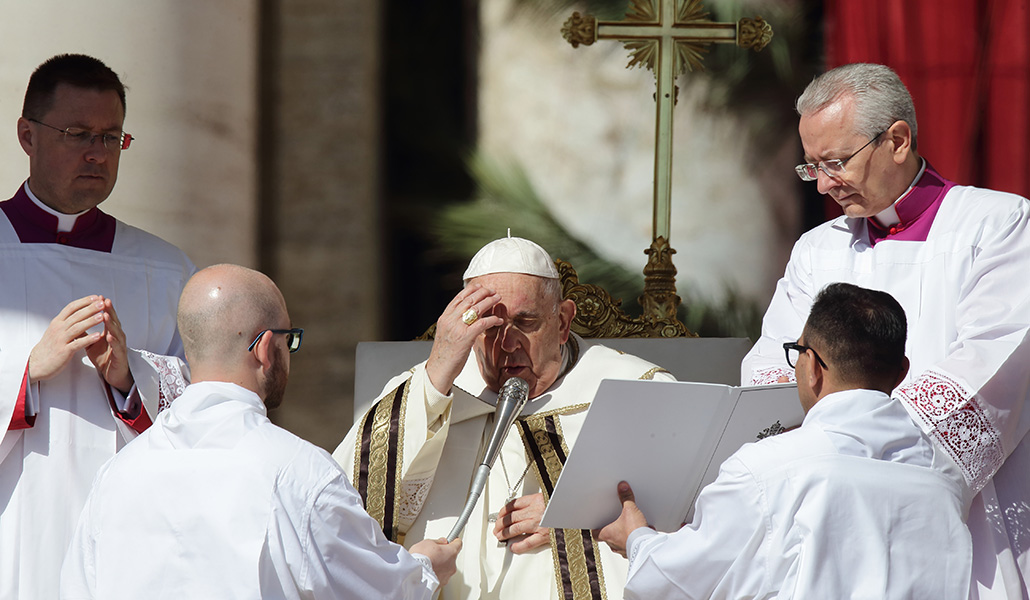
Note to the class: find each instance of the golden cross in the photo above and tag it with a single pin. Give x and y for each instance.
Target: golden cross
(667, 37)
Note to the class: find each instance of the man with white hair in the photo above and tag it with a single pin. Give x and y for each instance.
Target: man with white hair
(413, 454)
(957, 259)
(228, 505)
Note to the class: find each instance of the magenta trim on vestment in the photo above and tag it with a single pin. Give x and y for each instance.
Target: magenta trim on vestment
(94, 230)
(916, 210)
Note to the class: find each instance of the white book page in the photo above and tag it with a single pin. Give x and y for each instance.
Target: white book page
(664, 438)
(759, 411)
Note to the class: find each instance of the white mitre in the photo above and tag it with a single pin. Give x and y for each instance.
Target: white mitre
(511, 255)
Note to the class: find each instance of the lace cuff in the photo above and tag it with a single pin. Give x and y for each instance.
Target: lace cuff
(950, 414)
(159, 379)
(771, 375)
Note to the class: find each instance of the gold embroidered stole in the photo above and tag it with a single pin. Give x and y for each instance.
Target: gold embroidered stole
(379, 459)
(577, 555)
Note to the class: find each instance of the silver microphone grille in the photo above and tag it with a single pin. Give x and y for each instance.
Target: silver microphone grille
(514, 387)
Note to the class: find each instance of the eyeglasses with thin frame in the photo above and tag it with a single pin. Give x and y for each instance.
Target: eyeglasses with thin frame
(793, 350)
(833, 168)
(83, 138)
(293, 337)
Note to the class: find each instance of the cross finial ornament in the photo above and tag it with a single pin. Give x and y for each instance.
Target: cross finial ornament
(668, 37)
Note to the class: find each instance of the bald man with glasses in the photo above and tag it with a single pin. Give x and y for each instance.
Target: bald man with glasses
(956, 258)
(236, 507)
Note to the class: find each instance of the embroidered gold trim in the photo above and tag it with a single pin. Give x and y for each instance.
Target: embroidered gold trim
(651, 373)
(567, 543)
(565, 410)
(379, 463)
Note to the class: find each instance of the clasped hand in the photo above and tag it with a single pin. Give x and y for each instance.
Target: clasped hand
(67, 334)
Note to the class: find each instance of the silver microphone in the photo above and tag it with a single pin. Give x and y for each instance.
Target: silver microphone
(510, 401)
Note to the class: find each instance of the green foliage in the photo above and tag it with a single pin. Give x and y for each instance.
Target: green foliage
(736, 316)
(761, 87)
(507, 199)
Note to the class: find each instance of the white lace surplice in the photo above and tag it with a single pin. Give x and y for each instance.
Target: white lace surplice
(46, 470)
(966, 293)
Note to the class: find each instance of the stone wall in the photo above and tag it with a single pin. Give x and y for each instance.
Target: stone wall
(319, 189)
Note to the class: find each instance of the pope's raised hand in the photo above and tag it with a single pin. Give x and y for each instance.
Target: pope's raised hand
(110, 353)
(65, 336)
(455, 337)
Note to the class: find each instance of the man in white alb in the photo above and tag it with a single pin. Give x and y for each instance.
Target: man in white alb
(846, 506)
(224, 503)
(957, 259)
(78, 290)
(413, 454)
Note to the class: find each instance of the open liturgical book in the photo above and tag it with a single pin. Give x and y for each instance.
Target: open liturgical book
(667, 439)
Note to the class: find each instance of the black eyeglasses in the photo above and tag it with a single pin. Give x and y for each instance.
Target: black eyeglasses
(793, 350)
(833, 168)
(83, 138)
(293, 337)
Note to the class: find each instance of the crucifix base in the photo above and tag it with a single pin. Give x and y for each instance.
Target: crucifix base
(660, 300)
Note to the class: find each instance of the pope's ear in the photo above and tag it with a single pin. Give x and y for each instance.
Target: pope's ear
(566, 313)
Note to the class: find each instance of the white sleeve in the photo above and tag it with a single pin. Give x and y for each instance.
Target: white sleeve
(721, 553)
(159, 379)
(783, 322)
(349, 557)
(972, 401)
(79, 571)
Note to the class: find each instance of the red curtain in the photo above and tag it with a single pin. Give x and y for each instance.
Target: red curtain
(967, 66)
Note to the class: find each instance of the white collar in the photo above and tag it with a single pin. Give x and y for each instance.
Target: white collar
(889, 216)
(65, 222)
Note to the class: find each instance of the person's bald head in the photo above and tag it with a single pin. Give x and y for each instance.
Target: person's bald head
(222, 309)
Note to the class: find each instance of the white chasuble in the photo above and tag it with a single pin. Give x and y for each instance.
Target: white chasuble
(412, 457)
(965, 288)
(46, 469)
